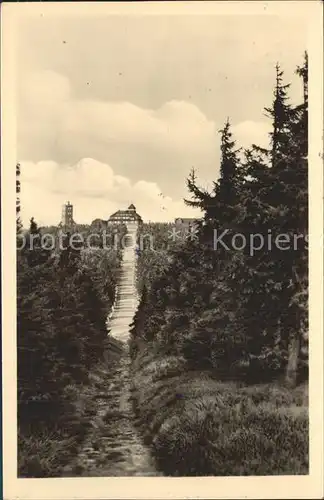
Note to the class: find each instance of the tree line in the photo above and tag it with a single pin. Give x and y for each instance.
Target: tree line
(219, 343)
(63, 299)
(239, 312)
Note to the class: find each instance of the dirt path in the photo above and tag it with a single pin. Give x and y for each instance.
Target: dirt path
(112, 446)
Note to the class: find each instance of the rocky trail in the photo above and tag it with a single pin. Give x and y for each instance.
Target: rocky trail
(112, 446)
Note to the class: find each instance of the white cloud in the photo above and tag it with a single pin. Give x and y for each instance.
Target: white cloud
(53, 117)
(104, 155)
(94, 190)
(248, 132)
(45, 88)
(173, 126)
(153, 144)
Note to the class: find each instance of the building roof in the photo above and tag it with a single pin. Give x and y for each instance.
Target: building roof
(131, 207)
(185, 219)
(129, 214)
(120, 213)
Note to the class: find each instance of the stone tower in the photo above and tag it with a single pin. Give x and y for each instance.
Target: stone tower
(67, 215)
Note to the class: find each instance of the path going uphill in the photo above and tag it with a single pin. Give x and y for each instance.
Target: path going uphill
(113, 446)
(127, 298)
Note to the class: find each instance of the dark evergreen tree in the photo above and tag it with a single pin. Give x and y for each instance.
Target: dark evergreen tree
(18, 207)
(297, 319)
(201, 198)
(247, 307)
(221, 205)
(61, 332)
(218, 204)
(229, 183)
(35, 250)
(70, 255)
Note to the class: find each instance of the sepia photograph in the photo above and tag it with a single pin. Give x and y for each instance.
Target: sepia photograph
(163, 213)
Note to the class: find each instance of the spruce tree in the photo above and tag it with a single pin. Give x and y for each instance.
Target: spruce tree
(280, 113)
(35, 252)
(220, 206)
(33, 228)
(18, 206)
(224, 193)
(276, 202)
(201, 197)
(70, 255)
(297, 319)
(228, 185)
(236, 312)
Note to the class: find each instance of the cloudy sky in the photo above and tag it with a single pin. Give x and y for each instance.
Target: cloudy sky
(115, 110)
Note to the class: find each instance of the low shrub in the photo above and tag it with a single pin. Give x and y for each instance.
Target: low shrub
(197, 426)
(208, 440)
(44, 454)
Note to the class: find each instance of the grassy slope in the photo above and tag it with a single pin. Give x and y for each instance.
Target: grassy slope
(46, 452)
(198, 426)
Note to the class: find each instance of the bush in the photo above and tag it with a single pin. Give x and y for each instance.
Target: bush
(208, 440)
(45, 454)
(197, 426)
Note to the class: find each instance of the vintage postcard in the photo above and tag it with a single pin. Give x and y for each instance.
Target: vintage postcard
(162, 246)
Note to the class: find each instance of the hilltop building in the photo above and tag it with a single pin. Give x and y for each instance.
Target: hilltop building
(125, 216)
(185, 223)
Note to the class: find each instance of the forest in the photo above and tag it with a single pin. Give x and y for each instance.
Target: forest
(63, 299)
(219, 342)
